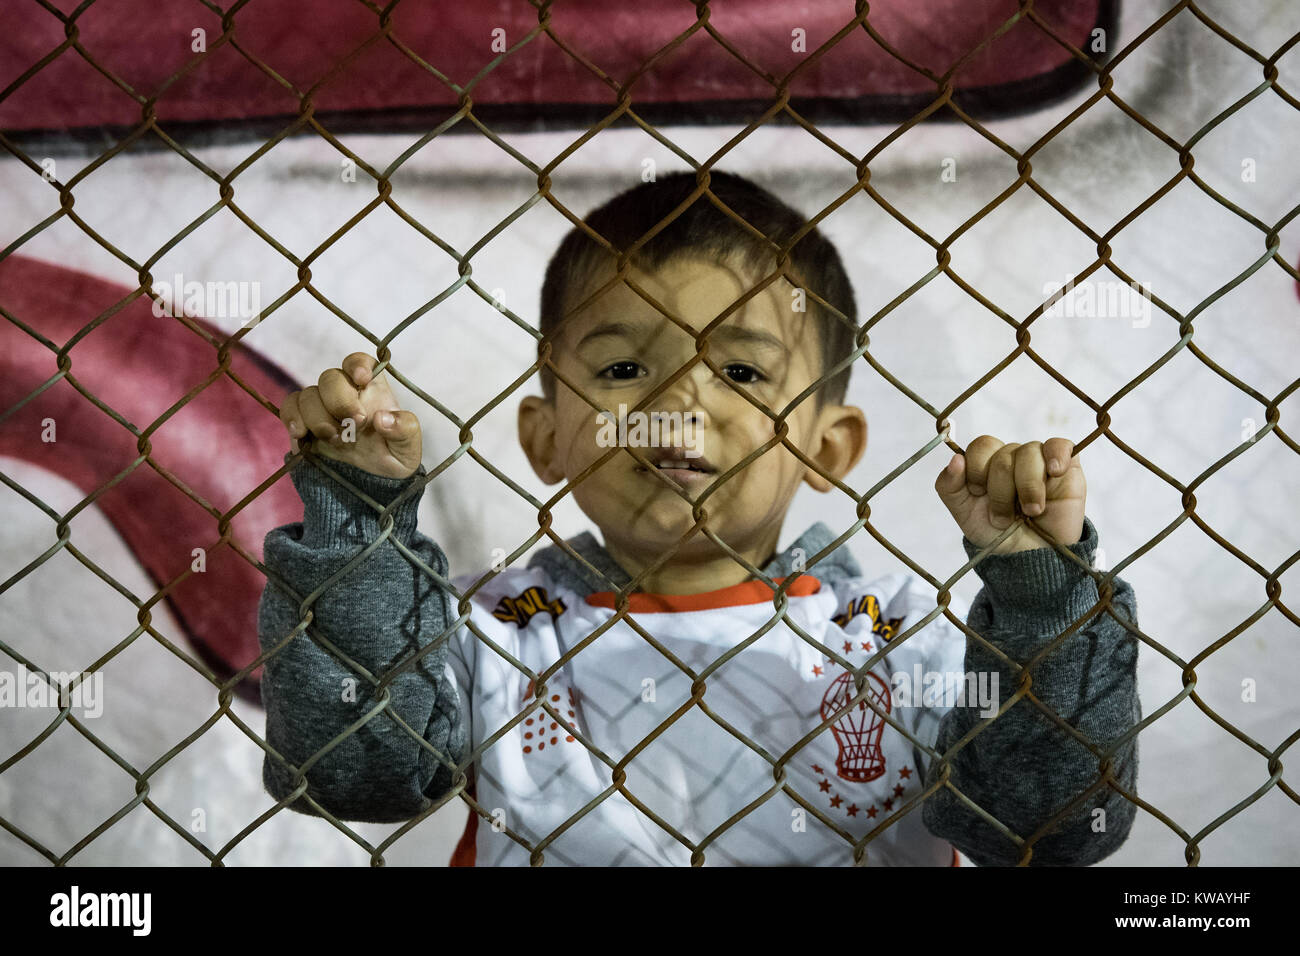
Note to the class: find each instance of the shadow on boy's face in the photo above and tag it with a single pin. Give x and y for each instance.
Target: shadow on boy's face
(646, 388)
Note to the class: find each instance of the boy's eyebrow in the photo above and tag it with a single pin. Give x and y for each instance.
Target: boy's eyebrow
(754, 337)
(614, 328)
(734, 333)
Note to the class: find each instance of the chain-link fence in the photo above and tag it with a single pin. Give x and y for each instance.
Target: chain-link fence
(67, 402)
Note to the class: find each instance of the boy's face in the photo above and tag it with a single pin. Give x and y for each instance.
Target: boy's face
(619, 349)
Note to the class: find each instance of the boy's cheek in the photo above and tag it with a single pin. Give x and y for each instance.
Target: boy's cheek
(615, 471)
(586, 448)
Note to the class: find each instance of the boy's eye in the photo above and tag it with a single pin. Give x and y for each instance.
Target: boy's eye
(621, 370)
(742, 373)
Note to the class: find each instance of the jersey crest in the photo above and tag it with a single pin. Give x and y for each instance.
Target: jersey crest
(521, 609)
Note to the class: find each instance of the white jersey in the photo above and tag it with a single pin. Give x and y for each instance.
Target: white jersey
(619, 690)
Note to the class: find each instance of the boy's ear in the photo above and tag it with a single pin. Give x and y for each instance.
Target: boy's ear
(537, 437)
(840, 442)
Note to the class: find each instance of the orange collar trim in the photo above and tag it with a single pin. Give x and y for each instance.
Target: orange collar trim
(746, 592)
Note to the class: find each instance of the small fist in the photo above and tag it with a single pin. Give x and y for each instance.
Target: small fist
(995, 483)
(354, 418)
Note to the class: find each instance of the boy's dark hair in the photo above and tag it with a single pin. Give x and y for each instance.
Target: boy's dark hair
(703, 229)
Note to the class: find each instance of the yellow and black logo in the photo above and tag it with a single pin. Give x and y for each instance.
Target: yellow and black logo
(522, 608)
(886, 630)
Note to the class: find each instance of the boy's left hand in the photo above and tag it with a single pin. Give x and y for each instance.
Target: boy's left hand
(994, 483)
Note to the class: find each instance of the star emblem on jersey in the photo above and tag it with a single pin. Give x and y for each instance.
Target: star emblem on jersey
(837, 802)
(858, 731)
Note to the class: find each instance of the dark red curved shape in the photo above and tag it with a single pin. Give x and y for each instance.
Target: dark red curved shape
(150, 47)
(222, 444)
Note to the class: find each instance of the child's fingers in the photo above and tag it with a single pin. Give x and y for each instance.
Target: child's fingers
(340, 397)
(401, 429)
(1057, 450)
(1002, 486)
(978, 455)
(291, 416)
(1031, 471)
(951, 483)
(359, 367)
(314, 416)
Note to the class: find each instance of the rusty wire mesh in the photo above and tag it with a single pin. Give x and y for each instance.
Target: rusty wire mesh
(622, 96)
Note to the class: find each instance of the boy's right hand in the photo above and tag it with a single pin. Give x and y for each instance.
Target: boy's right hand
(387, 439)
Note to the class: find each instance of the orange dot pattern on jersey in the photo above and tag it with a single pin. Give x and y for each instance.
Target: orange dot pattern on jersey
(534, 738)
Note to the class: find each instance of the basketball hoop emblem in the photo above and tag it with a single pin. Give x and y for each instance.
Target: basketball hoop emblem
(857, 733)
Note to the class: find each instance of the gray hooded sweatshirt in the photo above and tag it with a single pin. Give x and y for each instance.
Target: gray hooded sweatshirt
(322, 606)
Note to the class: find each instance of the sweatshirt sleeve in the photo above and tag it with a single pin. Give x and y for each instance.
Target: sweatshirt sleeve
(322, 711)
(1022, 768)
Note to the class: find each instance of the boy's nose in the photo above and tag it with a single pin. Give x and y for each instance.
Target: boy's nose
(685, 396)
(682, 429)
(692, 418)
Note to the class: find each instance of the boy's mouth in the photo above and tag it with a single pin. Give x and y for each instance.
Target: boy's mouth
(674, 463)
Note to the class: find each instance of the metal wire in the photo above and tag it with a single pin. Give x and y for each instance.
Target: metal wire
(622, 97)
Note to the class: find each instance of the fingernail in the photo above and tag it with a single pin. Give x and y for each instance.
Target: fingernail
(1054, 465)
(1033, 508)
(359, 418)
(385, 419)
(295, 429)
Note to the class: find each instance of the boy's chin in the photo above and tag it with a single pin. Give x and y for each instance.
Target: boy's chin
(661, 527)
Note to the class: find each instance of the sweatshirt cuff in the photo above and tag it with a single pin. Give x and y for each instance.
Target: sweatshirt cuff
(333, 515)
(1038, 590)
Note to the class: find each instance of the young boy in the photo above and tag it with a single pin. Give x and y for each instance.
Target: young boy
(714, 720)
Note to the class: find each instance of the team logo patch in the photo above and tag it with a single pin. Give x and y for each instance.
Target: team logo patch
(522, 608)
(857, 733)
(867, 604)
(859, 758)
